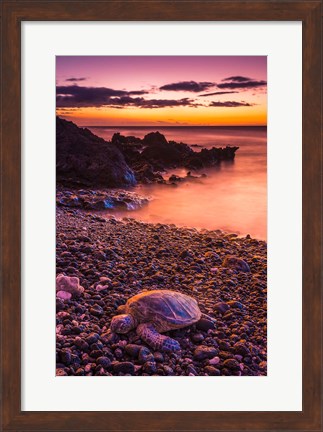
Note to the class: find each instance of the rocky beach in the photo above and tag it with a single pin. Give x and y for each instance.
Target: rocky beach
(116, 259)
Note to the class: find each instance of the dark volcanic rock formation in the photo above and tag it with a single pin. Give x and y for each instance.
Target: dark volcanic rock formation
(82, 158)
(154, 153)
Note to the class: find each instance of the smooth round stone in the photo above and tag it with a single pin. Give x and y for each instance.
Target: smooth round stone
(145, 355)
(236, 263)
(214, 361)
(205, 324)
(158, 356)
(221, 307)
(149, 367)
(241, 349)
(168, 370)
(64, 295)
(81, 343)
(103, 361)
(235, 304)
(211, 370)
(124, 367)
(204, 352)
(232, 364)
(197, 337)
(66, 357)
(133, 350)
(191, 370)
(92, 338)
(96, 310)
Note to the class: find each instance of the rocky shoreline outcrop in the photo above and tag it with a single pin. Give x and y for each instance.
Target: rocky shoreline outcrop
(85, 160)
(103, 199)
(152, 155)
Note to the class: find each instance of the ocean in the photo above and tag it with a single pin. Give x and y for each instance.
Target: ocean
(232, 197)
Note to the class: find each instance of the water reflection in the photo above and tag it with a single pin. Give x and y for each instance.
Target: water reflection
(232, 197)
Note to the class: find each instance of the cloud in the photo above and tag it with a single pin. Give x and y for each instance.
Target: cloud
(229, 104)
(74, 95)
(190, 86)
(149, 103)
(218, 93)
(236, 84)
(237, 78)
(75, 79)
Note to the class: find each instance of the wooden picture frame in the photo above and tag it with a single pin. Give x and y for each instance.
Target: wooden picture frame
(13, 13)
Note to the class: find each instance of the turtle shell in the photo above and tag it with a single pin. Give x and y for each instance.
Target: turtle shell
(166, 309)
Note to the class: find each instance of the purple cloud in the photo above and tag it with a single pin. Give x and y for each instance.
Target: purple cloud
(218, 93)
(190, 86)
(75, 79)
(229, 104)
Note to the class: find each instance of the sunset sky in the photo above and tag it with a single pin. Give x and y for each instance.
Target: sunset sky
(159, 90)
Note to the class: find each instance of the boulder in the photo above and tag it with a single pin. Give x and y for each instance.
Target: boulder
(83, 158)
(69, 284)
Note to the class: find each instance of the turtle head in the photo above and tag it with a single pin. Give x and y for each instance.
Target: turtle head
(122, 323)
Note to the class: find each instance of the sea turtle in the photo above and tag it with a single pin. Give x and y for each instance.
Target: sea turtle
(155, 312)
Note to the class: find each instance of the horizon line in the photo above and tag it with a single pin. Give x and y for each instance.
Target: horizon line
(152, 126)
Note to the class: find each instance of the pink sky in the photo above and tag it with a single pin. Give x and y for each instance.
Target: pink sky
(144, 76)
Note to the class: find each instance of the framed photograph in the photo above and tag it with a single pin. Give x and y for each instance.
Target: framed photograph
(161, 212)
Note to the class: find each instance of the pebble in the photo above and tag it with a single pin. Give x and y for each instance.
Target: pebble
(210, 370)
(197, 337)
(96, 310)
(92, 338)
(145, 355)
(214, 361)
(64, 295)
(149, 367)
(133, 350)
(204, 352)
(231, 364)
(221, 307)
(124, 367)
(103, 361)
(205, 324)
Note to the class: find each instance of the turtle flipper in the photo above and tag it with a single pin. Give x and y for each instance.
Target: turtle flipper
(150, 335)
